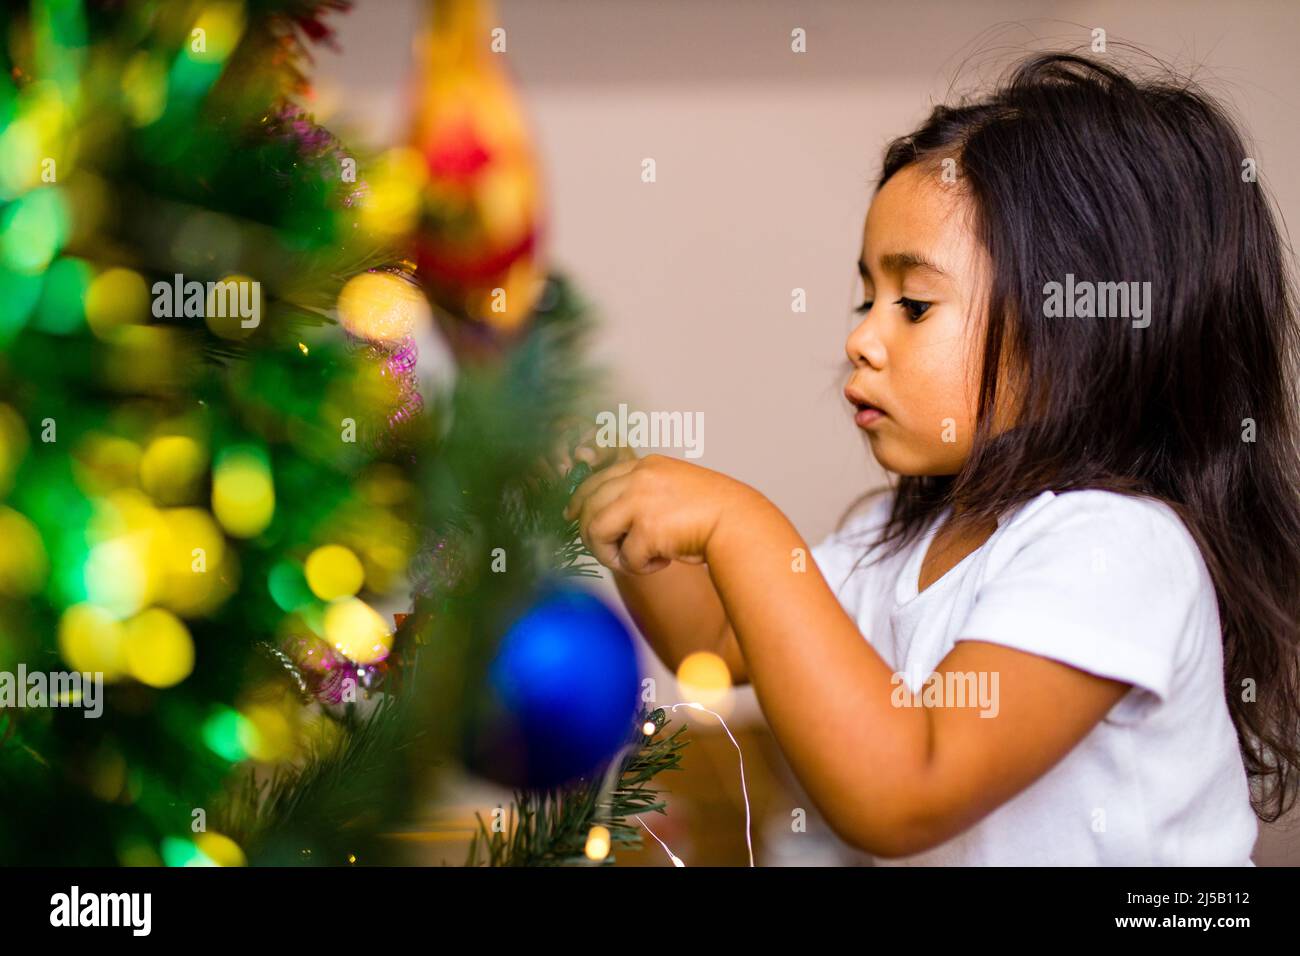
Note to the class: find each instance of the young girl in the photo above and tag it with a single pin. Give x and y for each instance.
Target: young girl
(1069, 634)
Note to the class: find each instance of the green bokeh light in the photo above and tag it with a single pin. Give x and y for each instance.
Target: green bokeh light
(32, 230)
(62, 307)
(288, 586)
(180, 852)
(222, 732)
(18, 295)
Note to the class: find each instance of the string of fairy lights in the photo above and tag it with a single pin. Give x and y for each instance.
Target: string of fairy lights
(598, 838)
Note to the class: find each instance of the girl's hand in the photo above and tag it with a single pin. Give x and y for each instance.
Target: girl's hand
(579, 444)
(638, 516)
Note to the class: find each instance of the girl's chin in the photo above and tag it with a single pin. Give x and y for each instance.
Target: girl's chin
(900, 462)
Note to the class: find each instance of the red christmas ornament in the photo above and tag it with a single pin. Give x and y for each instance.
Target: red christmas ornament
(477, 244)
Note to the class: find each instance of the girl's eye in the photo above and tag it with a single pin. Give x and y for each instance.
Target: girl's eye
(913, 308)
(864, 308)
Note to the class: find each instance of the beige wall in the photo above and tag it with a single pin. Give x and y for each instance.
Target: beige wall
(764, 162)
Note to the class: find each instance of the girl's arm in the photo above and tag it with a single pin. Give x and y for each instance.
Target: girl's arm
(891, 780)
(679, 612)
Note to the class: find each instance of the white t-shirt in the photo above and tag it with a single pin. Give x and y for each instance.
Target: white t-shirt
(1107, 583)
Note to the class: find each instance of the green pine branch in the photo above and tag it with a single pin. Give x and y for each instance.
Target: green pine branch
(550, 827)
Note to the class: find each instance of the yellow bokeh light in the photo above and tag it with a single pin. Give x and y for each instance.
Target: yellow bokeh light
(102, 463)
(229, 298)
(116, 298)
(334, 572)
(384, 484)
(123, 570)
(505, 201)
(144, 88)
(519, 292)
(13, 446)
(598, 843)
(219, 27)
(158, 648)
(357, 631)
(199, 572)
(704, 677)
(171, 469)
(40, 131)
(382, 307)
(266, 732)
(90, 639)
(24, 564)
(392, 202)
(220, 849)
(243, 495)
(118, 574)
(147, 358)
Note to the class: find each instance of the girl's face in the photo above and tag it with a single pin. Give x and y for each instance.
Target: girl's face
(916, 353)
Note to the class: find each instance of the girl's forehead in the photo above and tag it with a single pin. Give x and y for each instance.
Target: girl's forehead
(916, 214)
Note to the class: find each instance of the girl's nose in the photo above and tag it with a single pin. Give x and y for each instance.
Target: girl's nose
(864, 346)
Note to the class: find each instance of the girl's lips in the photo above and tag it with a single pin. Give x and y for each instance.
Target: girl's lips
(867, 417)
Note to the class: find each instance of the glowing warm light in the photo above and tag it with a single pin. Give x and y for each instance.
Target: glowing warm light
(266, 732)
(144, 88)
(172, 468)
(116, 298)
(234, 307)
(598, 842)
(24, 565)
(37, 130)
(219, 849)
(158, 648)
(90, 639)
(196, 566)
(392, 203)
(20, 157)
(103, 463)
(222, 24)
(119, 575)
(357, 631)
(334, 572)
(649, 728)
(522, 288)
(243, 495)
(382, 307)
(703, 676)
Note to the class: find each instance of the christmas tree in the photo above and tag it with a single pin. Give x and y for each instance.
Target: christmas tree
(218, 462)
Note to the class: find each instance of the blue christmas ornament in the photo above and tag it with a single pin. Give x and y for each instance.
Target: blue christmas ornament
(564, 686)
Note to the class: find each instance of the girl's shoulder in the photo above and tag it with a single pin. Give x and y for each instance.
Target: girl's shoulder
(1126, 524)
(1110, 583)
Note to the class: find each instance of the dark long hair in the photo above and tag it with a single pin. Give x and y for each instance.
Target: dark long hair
(1073, 167)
